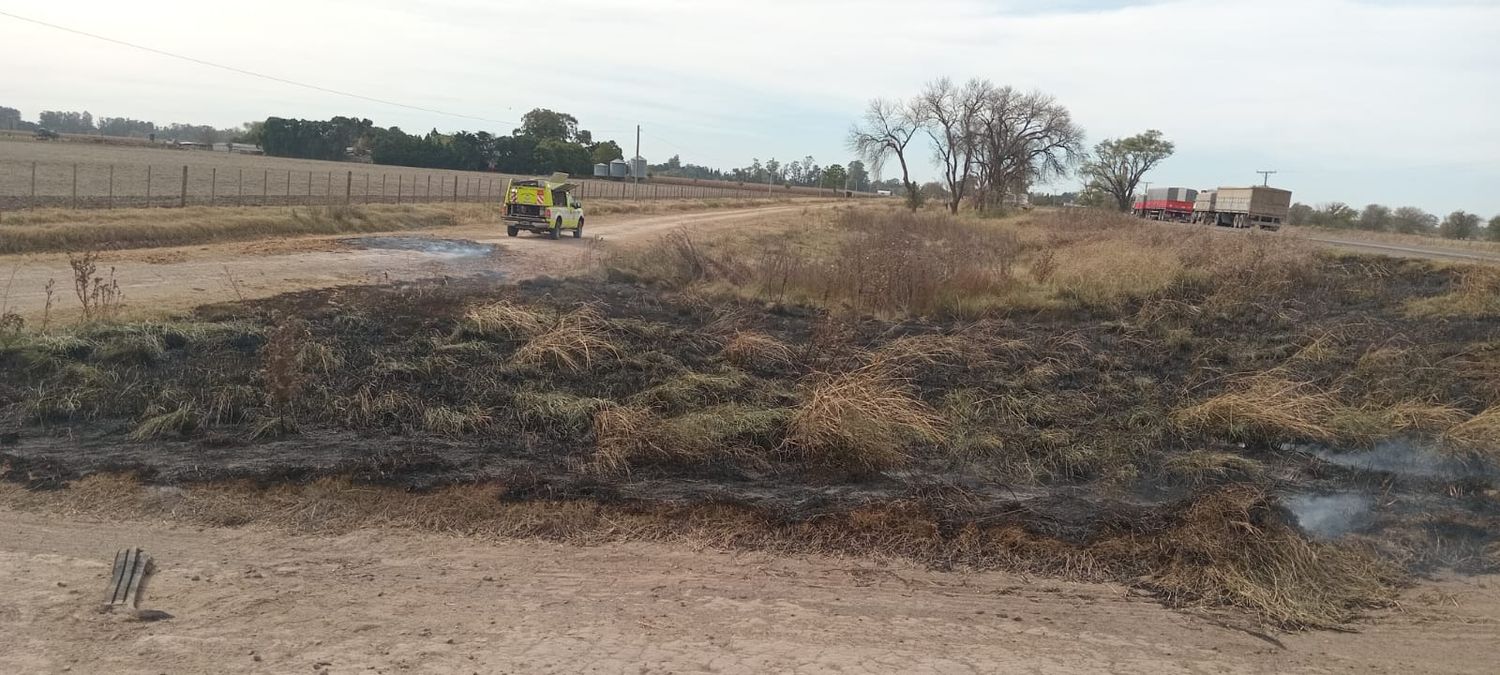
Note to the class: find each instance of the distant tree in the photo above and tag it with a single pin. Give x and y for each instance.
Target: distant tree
(834, 177)
(1375, 218)
(950, 115)
(67, 121)
(1459, 225)
(1117, 166)
(859, 178)
(543, 124)
(886, 131)
(250, 132)
(1492, 230)
(1335, 215)
(1300, 214)
(934, 190)
(1024, 139)
(10, 118)
(1412, 220)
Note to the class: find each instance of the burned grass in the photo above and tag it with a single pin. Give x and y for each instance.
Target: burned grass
(1148, 432)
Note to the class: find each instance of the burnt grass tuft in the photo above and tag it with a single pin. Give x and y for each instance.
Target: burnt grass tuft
(1145, 439)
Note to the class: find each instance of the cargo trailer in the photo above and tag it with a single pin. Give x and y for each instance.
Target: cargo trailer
(1171, 203)
(1257, 206)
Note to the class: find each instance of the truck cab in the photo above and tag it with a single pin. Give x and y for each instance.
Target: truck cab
(543, 206)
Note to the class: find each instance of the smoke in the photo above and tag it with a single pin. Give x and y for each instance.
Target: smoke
(1404, 459)
(443, 247)
(1331, 516)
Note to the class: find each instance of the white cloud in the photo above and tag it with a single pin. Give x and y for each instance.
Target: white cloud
(1326, 90)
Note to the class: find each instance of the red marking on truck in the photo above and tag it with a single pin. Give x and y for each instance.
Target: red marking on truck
(1164, 205)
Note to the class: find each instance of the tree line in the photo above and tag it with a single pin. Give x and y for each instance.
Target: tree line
(84, 122)
(1403, 220)
(804, 173)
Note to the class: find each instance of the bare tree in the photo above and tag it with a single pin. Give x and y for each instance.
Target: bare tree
(887, 130)
(1022, 139)
(948, 113)
(1118, 165)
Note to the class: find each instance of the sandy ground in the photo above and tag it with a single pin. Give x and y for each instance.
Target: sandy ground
(252, 600)
(162, 280)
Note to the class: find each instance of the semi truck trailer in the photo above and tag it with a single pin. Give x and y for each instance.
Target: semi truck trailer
(1256, 206)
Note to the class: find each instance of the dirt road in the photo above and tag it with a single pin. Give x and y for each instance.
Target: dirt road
(159, 280)
(252, 600)
(1407, 250)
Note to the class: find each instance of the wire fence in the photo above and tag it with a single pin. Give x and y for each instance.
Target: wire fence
(28, 185)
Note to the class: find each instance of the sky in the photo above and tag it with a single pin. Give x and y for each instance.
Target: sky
(1359, 101)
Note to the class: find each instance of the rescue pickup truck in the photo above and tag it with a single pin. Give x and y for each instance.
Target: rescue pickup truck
(543, 206)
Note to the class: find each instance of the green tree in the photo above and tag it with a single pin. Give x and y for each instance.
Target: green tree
(544, 124)
(1412, 220)
(1117, 166)
(1492, 231)
(606, 152)
(835, 177)
(1336, 215)
(1375, 218)
(859, 178)
(1459, 225)
(10, 118)
(886, 132)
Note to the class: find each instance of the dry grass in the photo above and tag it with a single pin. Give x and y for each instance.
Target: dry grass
(1475, 295)
(1476, 438)
(862, 421)
(1114, 272)
(1265, 408)
(455, 422)
(574, 342)
(759, 352)
(504, 320)
(1209, 467)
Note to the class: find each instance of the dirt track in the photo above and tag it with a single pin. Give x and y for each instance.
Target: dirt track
(250, 600)
(165, 279)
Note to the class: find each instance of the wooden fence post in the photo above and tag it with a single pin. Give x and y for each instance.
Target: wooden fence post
(33, 184)
(455, 189)
(148, 185)
(239, 188)
(309, 187)
(327, 190)
(75, 185)
(213, 186)
(349, 188)
(265, 187)
(111, 202)
(399, 180)
(182, 198)
(429, 186)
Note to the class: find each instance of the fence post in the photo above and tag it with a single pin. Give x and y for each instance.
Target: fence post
(327, 190)
(349, 188)
(111, 202)
(33, 184)
(239, 188)
(455, 189)
(265, 187)
(399, 179)
(367, 187)
(182, 198)
(75, 185)
(148, 185)
(309, 187)
(429, 186)
(382, 188)
(213, 186)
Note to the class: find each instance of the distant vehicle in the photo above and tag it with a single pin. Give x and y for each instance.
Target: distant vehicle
(1257, 206)
(45, 134)
(543, 206)
(1169, 203)
(883, 193)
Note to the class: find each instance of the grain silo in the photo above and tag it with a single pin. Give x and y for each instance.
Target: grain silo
(601, 170)
(619, 169)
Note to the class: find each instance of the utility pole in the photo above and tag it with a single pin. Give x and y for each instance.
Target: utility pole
(1266, 176)
(1145, 189)
(634, 163)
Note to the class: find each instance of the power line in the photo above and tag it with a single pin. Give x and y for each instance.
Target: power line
(250, 73)
(1266, 176)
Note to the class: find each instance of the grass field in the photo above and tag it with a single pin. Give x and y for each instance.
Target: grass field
(118, 175)
(1221, 421)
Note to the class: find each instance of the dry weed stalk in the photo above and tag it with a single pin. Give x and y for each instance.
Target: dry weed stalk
(1265, 407)
(758, 352)
(505, 320)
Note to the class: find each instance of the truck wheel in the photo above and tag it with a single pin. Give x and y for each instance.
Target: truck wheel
(556, 231)
(511, 231)
(578, 231)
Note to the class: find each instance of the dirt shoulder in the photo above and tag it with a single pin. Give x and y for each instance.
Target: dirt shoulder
(260, 600)
(161, 280)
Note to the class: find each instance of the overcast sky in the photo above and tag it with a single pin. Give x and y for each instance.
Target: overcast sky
(1392, 101)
